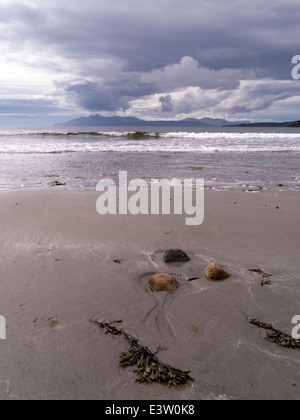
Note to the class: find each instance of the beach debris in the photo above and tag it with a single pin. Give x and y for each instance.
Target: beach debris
(266, 283)
(276, 336)
(176, 255)
(260, 271)
(215, 272)
(118, 261)
(194, 329)
(163, 283)
(149, 368)
(57, 184)
(264, 276)
(53, 321)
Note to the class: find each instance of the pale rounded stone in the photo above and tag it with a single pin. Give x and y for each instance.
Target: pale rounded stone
(163, 283)
(215, 272)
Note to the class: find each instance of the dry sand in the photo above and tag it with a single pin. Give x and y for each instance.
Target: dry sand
(57, 262)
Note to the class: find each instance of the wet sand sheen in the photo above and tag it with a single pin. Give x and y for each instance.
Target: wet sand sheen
(62, 263)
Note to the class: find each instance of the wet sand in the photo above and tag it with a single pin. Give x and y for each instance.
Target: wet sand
(57, 271)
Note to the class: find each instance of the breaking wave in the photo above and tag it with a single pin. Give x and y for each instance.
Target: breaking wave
(59, 142)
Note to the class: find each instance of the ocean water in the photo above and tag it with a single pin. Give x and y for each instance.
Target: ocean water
(253, 159)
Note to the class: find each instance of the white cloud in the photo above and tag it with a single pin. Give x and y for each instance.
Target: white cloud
(251, 96)
(256, 95)
(190, 73)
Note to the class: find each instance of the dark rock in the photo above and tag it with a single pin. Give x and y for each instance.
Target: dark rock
(176, 255)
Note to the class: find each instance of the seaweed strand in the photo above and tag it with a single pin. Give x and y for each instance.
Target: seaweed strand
(276, 336)
(149, 368)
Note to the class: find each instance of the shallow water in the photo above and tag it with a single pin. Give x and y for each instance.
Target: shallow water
(227, 158)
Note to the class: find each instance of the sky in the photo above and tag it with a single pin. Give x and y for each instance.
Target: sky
(156, 59)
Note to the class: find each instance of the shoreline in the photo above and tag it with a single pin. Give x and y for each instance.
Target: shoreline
(229, 160)
(58, 270)
(61, 186)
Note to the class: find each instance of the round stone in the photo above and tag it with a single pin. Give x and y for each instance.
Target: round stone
(163, 283)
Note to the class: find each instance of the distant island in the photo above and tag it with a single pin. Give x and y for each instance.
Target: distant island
(292, 124)
(99, 121)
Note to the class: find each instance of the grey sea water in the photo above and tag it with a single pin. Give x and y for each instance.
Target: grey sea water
(227, 158)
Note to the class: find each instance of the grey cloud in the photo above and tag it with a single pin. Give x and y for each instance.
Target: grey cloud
(24, 14)
(217, 34)
(159, 47)
(257, 96)
(112, 94)
(248, 97)
(28, 106)
(167, 104)
(196, 100)
(92, 97)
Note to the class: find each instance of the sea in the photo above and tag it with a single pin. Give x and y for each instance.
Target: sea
(230, 158)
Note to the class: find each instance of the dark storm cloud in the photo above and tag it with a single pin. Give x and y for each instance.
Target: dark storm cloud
(122, 50)
(149, 35)
(115, 91)
(92, 97)
(167, 104)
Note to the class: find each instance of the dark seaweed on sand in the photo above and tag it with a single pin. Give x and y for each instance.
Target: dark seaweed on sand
(149, 368)
(260, 271)
(276, 336)
(264, 276)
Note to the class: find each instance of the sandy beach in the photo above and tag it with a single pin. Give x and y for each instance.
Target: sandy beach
(58, 269)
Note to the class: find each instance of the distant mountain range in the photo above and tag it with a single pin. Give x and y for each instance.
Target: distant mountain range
(98, 121)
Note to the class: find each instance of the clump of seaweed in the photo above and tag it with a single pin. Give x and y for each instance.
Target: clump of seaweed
(260, 271)
(266, 283)
(276, 336)
(264, 276)
(149, 368)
